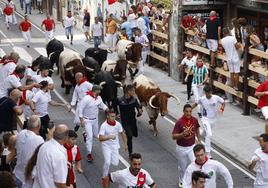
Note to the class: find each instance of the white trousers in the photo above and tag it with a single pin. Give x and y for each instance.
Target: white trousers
(185, 156)
(198, 92)
(206, 127)
(27, 36)
(14, 18)
(92, 129)
(8, 20)
(111, 156)
(49, 35)
(111, 40)
(142, 62)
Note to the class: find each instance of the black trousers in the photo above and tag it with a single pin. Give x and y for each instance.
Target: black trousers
(44, 126)
(189, 86)
(129, 144)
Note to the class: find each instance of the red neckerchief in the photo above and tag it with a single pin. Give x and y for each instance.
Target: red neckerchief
(84, 79)
(22, 98)
(112, 123)
(212, 18)
(141, 179)
(199, 66)
(6, 61)
(67, 146)
(265, 151)
(90, 93)
(201, 164)
(69, 16)
(14, 73)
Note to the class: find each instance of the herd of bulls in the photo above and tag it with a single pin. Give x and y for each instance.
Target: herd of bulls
(107, 73)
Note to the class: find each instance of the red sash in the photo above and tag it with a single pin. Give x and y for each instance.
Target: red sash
(14, 73)
(90, 93)
(6, 61)
(111, 123)
(141, 179)
(22, 98)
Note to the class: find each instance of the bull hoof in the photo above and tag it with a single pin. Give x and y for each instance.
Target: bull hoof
(155, 133)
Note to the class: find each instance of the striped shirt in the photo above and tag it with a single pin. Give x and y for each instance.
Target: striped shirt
(199, 74)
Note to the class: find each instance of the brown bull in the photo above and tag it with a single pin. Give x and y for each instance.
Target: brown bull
(152, 98)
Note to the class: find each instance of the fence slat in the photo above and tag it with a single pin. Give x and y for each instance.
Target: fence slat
(259, 70)
(159, 34)
(160, 46)
(159, 57)
(259, 53)
(227, 89)
(253, 100)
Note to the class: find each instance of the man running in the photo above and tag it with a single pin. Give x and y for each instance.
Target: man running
(108, 135)
(13, 6)
(260, 161)
(208, 166)
(82, 87)
(68, 23)
(88, 114)
(86, 25)
(184, 132)
(26, 28)
(8, 11)
(133, 176)
(127, 105)
(200, 77)
(210, 107)
(49, 28)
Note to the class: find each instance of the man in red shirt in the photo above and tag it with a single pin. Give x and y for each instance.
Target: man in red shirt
(8, 11)
(185, 132)
(49, 28)
(25, 27)
(262, 94)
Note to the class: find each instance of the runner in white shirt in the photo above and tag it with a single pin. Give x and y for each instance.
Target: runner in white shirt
(9, 65)
(231, 46)
(88, 114)
(211, 105)
(13, 81)
(80, 90)
(199, 179)
(68, 23)
(51, 165)
(188, 62)
(208, 166)
(260, 162)
(96, 32)
(133, 176)
(132, 18)
(40, 106)
(43, 76)
(32, 70)
(108, 135)
(26, 143)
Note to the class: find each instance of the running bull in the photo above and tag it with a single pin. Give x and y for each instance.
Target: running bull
(152, 98)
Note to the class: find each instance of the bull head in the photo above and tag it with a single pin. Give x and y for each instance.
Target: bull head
(159, 102)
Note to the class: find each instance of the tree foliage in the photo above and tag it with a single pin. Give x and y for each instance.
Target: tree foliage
(166, 3)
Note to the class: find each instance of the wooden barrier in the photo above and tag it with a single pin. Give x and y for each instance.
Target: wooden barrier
(160, 43)
(247, 81)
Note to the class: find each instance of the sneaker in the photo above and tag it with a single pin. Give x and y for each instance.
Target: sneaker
(85, 136)
(89, 157)
(76, 128)
(199, 115)
(180, 185)
(187, 101)
(28, 46)
(71, 43)
(67, 37)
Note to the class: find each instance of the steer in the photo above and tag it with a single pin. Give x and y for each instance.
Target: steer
(130, 51)
(68, 60)
(152, 98)
(117, 68)
(100, 55)
(54, 48)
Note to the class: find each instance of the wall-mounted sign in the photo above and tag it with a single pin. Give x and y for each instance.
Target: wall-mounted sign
(194, 2)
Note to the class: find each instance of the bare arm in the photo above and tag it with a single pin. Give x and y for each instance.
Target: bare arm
(219, 33)
(106, 182)
(124, 138)
(61, 185)
(103, 138)
(18, 110)
(55, 103)
(252, 164)
(259, 94)
(78, 167)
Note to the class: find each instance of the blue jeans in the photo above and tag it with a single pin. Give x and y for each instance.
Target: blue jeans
(97, 41)
(18, 182)
(28, 6)
(21, 4)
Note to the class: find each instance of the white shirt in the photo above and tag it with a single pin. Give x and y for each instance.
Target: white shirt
(132, 20)
(210, 106)
(96, 29)
(26, 143)
(6, 70)
(189, 62)
(26, 108)
(106, 130)
(261, 168)
(125, 179)
(68, 21)
(80, 91)
(12, 81)
(141, 25)
(30, 72)
(89, 107)
(41, 100)
(39, 78)
(51, 165)
(228, 44)
(211, 167)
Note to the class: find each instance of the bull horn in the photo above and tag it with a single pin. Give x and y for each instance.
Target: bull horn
(150, 102)
(177, 98)
(50, 55)
(128, 46)
(70, 68)
(102, 83)
(119, 83)
(90, 69)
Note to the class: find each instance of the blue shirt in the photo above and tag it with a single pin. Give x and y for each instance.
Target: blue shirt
(147, 24)
(126, 26)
